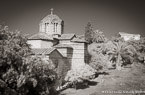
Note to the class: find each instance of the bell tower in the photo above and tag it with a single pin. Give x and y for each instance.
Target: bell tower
(51, 24)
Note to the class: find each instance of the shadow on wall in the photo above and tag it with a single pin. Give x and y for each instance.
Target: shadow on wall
(64, 65)
(87, 56)
(69, 57)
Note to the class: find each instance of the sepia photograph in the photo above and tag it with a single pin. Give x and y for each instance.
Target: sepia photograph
(72, 47)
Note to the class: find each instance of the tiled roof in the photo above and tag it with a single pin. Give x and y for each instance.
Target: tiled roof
(42, 50)
(41, 36)
(79, 38)
(66, 36)
(51, 18)
(63, 45)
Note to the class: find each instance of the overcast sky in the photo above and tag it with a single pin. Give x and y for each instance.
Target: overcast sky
(109, 16)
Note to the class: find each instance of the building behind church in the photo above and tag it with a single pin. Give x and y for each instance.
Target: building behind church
(128, 36)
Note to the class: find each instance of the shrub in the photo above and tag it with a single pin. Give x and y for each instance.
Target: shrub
(81, 75)
(19, 72)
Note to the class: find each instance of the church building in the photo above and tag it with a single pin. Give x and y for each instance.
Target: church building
(71, 48)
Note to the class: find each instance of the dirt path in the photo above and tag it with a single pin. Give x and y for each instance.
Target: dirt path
(128, 80)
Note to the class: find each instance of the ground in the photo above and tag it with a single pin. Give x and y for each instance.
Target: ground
(129, 80)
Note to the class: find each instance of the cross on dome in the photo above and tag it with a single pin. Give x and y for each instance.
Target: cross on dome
(51, 10)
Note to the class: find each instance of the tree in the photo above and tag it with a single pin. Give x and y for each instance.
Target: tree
(88, 33)
(139, 45)
(19, 72)
(37, 78)
(122, 53)
(80, 76)
(98, 37)
(99, 62)
(98, 59)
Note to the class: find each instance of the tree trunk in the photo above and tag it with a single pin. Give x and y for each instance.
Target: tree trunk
(118, 64)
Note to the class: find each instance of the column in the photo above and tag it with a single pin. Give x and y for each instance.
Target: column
(54, 28)
(51, 29)
(59, 29)
(45, 27)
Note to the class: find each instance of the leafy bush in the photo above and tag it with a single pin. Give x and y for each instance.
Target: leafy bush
(98, 37)
(95, 49)
(99, 59)
(37, 78)
(100, 62)
(19, 72)
(139, 45)
(80, 75)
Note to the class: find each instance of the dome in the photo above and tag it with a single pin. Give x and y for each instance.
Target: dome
(51, 24)
(52, 18)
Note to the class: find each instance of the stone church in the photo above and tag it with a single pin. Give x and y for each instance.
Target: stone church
(53, 43)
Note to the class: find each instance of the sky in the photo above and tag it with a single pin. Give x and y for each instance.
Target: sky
(108, 16)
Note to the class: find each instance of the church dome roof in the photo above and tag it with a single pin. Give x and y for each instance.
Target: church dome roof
(52, 18)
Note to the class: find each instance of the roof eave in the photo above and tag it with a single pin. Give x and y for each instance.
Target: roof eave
(42, 39)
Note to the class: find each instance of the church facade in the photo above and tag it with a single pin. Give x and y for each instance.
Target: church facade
(72, 48)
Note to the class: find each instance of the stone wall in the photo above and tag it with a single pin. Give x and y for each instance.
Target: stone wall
(46, 44)
(40, 43)
(35, 43)
(77, 54)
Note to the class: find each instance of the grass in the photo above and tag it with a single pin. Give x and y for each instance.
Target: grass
(128, 79)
